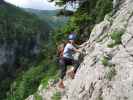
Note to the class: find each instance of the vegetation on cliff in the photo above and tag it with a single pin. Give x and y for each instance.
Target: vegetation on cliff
(89, 13)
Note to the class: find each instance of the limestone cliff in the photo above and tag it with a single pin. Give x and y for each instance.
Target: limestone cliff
(106, 72)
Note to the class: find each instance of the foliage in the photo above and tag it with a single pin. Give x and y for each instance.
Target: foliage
(65, 12)
(37, 96)
(116, 37)
(56, 96)
(111, 45)
(48, 77)
(99, 97)
(105, 61)
(46, 69)
(18, 33)
(14, 21)
(111, 73)
(102, 7)
(63, 2)
(32, 77)
(24, 86)
(86, 16)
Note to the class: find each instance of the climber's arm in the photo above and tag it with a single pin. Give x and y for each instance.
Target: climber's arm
(77, 50)
(74, 48)
(82, 45)
(78, 46)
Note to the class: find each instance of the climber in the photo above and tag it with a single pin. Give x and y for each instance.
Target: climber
(66, 58)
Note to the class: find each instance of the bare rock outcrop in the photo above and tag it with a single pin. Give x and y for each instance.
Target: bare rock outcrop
(112, 81)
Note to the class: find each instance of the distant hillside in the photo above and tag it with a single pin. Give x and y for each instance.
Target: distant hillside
(50, 17)
(21, 38)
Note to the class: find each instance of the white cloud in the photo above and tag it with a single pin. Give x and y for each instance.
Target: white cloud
(36, 4)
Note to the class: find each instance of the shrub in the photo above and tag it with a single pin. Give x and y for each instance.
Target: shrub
(86, 16)
(24, 85)
(105, 61)
(116, 37)
(56, 96)
(111, 73)
(28, 83)
(45, 80)
(37, 96)
(99, 98)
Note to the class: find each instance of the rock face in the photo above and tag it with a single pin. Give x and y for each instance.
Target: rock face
(96, 81)
(106, 73)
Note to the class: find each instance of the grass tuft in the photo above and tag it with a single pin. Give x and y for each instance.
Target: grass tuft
(105, 60)
(37, 96)
(116, 37)
(110, 74)
(56, 96)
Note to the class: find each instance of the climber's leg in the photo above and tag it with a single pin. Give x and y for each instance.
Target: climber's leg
(61, 84)
(63, 72)
(69, 62)
(63, 68)
(76, 65)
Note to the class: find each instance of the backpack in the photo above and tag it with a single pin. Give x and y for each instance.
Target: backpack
(60, 49)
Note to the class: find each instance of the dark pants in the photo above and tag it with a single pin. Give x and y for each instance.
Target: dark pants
(64, 62)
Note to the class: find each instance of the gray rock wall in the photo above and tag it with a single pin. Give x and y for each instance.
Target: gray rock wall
(96, 81)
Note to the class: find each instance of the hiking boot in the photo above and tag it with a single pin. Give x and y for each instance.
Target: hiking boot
(61, 85)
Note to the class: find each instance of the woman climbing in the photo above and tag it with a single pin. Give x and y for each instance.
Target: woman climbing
(66, 58)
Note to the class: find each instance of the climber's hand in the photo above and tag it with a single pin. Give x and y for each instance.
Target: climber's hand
(83, 45)
(79, 51)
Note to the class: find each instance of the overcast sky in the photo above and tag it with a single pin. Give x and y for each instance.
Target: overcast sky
(36, 4)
